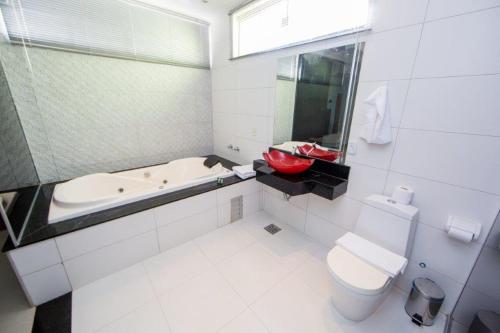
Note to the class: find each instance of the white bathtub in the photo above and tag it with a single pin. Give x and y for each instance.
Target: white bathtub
(95, 192)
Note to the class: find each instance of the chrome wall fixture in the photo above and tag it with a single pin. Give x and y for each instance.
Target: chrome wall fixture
(235, 148)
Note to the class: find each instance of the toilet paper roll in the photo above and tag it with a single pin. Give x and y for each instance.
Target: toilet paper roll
(461, 235)
(402, 195)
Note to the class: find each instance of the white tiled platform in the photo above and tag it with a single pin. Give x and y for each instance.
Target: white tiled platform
(238, 278)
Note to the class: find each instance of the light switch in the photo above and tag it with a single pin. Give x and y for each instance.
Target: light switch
(254, 132)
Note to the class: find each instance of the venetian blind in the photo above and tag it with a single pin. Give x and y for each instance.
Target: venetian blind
(124, 29)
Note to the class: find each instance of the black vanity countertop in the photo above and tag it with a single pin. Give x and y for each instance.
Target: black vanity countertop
(326, 179)
(38, 229)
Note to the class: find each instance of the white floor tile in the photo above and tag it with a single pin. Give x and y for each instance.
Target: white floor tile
(283, 277)
(171, 268)
(294, 307)
(253, 271)
(146, 318)
(291, 247)
(203, 304)
(255, 224)
(109, 299)
(247, 322)
(224, 242)
(315, 274)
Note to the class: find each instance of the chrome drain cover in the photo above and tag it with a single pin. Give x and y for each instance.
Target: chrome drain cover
(272, 229)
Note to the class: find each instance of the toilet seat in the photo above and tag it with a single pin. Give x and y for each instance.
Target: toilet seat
(356, 274)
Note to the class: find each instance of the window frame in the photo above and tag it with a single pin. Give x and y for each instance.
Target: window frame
(294, 44)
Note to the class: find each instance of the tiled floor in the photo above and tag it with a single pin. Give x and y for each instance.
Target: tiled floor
(16, 315)
(236, 279)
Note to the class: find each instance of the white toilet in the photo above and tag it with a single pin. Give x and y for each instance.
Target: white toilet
(365, 264)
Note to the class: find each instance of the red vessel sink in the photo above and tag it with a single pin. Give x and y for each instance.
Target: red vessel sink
(286, 163)
(310, 150)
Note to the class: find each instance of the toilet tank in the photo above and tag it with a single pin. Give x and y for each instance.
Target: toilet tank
(387, 223)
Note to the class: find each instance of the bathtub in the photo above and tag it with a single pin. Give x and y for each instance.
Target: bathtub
(99, 191)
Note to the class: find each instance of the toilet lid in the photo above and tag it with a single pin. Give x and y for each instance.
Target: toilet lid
(354, 273)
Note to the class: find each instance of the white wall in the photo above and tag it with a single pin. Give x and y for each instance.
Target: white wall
(440, 60)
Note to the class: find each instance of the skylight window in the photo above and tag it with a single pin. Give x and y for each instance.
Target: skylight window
(264, 25)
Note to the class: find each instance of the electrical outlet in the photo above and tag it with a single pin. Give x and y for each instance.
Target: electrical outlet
(352, 148)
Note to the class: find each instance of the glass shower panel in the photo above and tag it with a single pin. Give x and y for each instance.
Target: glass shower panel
(482, 290)
(103, 86)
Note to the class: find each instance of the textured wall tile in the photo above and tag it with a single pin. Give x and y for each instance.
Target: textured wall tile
(16, 166)
(86, 114)
(19, 76)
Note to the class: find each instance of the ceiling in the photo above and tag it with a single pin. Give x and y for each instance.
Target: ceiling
(225, 4)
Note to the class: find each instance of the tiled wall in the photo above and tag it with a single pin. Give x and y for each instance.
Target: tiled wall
(84, 114)
(16, 166)
(481, 291)
(440, 62)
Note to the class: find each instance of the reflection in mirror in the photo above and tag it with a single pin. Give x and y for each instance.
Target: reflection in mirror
(314, 96)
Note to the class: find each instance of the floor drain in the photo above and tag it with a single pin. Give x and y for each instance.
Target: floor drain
(272, 229)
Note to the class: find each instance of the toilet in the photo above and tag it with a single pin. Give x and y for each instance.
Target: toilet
(365, 263)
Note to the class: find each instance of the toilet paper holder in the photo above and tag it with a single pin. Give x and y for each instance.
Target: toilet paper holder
(463, 225)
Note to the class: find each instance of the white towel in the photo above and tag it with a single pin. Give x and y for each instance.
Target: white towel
(387, 261)
(377, 127)
(244, 171)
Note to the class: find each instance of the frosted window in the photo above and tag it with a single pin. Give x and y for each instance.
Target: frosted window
(268, 24)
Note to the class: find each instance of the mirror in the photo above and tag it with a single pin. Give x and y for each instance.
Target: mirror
(315, 94)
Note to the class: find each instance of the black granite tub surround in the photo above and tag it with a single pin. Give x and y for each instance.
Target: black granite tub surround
(38, 228)
(21, 207)
(54, 316)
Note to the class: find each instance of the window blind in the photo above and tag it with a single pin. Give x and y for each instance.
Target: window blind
(125, 29)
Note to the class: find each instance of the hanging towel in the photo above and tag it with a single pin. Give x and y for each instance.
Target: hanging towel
(387, 261)
(377, 126)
